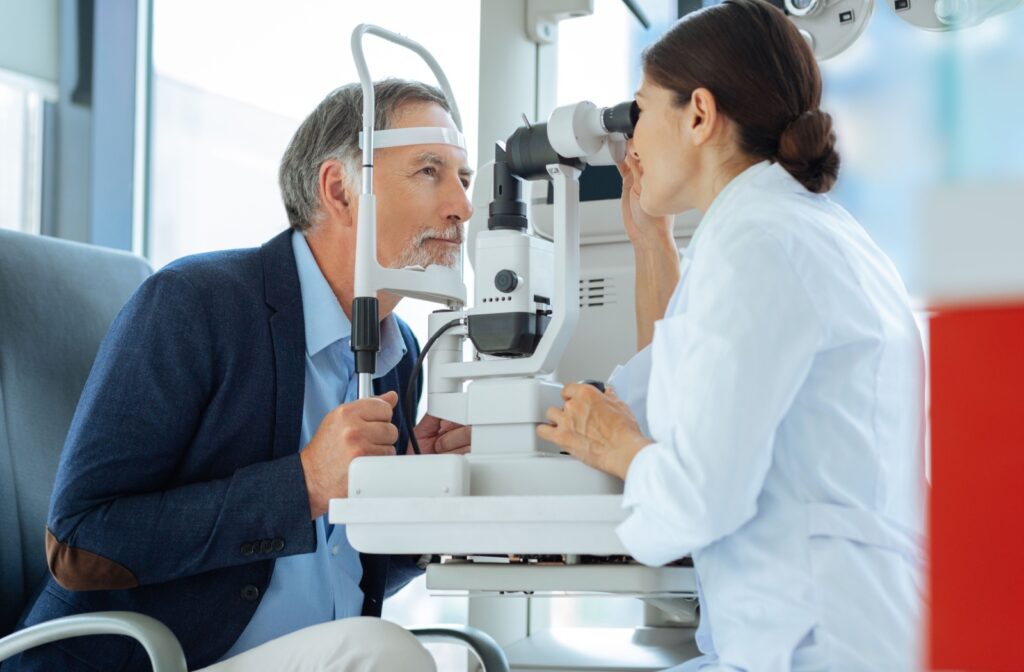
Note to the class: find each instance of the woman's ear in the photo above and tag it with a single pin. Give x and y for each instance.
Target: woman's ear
(335, 199)
(703, 118)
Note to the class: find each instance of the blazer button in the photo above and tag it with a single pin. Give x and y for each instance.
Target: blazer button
(247, 548)
(265, 546)
(250, 593)
(278, 545)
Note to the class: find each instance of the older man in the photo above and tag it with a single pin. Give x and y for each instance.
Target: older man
(221, 414)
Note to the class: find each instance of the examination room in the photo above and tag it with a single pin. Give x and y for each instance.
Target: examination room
(511, 335)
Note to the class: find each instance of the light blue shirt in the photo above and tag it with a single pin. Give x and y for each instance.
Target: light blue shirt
(323, 585)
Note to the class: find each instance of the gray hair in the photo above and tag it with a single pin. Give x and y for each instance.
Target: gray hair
(331, 132)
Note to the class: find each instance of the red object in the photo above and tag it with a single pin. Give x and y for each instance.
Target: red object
(976, 518)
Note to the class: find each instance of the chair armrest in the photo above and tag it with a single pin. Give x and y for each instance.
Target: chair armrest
(160, 643)
(483, 646)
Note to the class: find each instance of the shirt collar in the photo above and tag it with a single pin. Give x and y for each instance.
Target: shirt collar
(326, 322)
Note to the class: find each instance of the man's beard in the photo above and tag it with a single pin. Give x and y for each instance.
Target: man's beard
(418, 254)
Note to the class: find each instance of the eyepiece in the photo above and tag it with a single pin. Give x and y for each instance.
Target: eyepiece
(621, 118)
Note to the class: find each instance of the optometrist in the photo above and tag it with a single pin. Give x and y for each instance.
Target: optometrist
(771, 426)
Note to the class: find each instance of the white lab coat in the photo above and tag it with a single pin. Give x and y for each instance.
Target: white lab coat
(783, 391)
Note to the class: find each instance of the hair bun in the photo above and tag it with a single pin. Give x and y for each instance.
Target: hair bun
(807, 151)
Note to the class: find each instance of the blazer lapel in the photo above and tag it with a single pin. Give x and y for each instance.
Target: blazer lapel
(287, 330)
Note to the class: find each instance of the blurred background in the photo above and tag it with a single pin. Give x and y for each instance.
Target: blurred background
(157, 126)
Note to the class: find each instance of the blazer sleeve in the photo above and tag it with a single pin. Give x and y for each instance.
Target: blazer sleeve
(115, 521)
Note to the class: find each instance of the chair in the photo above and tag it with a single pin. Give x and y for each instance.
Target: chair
(57, 300)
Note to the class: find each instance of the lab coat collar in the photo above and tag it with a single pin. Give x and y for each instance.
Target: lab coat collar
(735, 185)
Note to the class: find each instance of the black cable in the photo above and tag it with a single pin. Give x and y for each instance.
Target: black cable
(417, 368)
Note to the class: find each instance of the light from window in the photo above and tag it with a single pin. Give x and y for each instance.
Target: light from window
(21, 140)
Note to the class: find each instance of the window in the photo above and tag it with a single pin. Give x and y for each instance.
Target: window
(599, 55)
(915, 110)
(21, 137)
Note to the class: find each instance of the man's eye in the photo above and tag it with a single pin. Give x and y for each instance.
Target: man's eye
(429, 170)
(465, 184)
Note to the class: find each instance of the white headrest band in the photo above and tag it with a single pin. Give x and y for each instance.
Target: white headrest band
(426, 135)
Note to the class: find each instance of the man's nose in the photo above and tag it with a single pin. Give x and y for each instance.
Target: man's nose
(459, 208)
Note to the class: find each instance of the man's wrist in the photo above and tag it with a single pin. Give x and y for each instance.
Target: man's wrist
(316, 505)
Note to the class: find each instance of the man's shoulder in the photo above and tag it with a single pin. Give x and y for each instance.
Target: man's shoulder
(227, 286)
(213, 271)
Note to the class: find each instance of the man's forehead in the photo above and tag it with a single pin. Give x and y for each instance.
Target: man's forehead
(422, 115)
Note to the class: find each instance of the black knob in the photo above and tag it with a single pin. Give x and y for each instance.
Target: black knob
(506, 281)
(595, 383)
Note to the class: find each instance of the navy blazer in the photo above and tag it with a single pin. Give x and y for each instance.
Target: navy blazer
(180, 482)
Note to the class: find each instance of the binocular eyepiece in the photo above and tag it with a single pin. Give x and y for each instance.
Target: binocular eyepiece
(621, 118)
(572, 133)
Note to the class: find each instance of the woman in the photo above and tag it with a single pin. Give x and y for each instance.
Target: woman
(772, 423)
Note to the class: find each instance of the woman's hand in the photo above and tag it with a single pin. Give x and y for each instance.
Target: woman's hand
(598, 429)
(655, 255)
(643, 229)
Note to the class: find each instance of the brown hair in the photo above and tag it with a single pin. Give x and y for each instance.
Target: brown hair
(763, 76)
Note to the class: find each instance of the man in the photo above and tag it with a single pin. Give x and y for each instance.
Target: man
(221, 414)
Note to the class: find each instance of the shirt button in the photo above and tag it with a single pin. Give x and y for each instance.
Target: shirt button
(250, 593)
(247, 548)
(334, 550)
(278, 545)
(265, 546)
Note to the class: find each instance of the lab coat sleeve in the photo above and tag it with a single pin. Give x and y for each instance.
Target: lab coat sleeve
(725, 370)
(630, 381)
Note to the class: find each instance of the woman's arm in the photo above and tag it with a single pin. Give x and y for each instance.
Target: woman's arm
(654, 253)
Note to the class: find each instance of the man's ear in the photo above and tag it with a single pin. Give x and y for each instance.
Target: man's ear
(704, 118)
(335, 198)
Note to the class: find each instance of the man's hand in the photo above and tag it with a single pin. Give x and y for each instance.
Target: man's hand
(351, 430)
(599, 429)
(437, 436)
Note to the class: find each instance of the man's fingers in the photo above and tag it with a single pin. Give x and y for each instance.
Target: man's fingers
(454, 440)
(382, 433)
(429, 426)
(448, 425)
(377, 449)
(374, 409)
(390, 397)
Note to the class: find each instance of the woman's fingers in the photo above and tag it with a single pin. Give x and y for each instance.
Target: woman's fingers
(555, 416)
